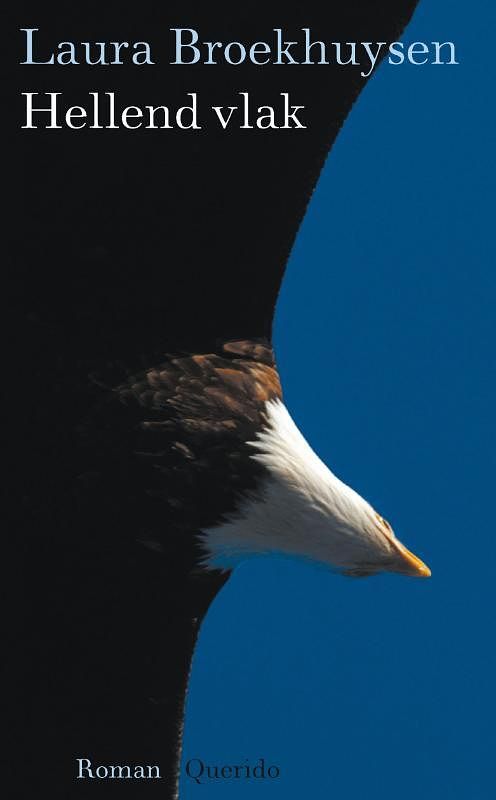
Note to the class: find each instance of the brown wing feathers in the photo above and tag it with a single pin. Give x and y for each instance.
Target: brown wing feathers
(208, 390)
(180, 430)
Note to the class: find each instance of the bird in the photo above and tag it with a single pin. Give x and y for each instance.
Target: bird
(161, 452)
(219, 418)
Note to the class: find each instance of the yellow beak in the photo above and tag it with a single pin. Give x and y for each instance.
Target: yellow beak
(411, 565)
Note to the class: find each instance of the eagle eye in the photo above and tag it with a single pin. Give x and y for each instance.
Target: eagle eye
(384, 522)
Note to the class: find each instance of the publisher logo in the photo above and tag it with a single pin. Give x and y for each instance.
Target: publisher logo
(200, 772)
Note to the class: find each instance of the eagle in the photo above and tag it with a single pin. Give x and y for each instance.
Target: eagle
(228, 459)
(156, 449)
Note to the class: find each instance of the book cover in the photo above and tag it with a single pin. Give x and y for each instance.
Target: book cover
(252, 328)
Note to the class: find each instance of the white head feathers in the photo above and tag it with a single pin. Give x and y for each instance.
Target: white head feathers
(305, 510)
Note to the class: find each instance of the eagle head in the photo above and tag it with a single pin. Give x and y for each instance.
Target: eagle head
(301, 508)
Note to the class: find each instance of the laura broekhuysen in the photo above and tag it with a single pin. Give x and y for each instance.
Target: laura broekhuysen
(279, 48)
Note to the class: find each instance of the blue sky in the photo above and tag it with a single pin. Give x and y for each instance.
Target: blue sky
(385, 336)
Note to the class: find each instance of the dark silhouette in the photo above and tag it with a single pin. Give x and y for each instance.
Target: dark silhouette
(129, 245)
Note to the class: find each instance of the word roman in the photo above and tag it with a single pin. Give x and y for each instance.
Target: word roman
(196, 770)
(116, 771)
(102, 113)
(280, 50)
